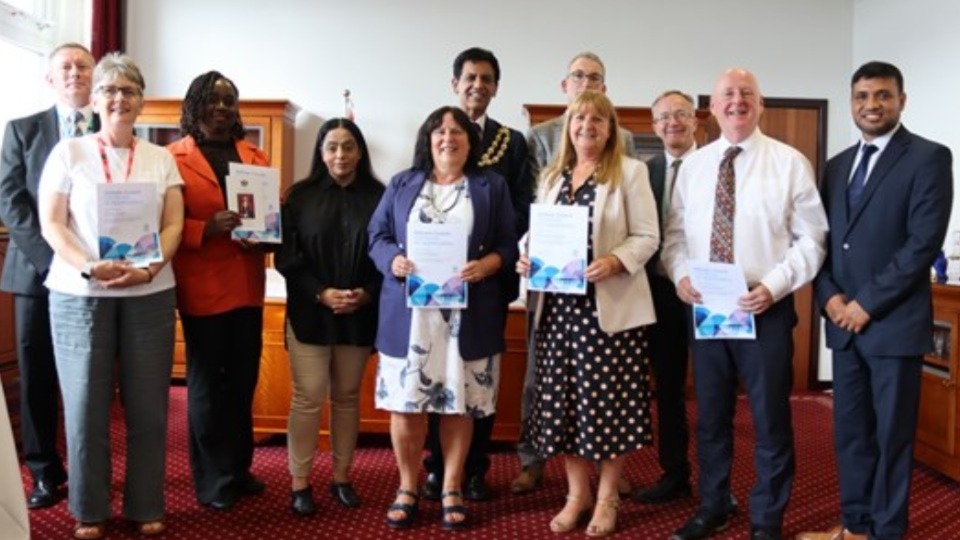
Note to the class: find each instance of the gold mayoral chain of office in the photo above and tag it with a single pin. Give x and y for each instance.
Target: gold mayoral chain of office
(497, 148)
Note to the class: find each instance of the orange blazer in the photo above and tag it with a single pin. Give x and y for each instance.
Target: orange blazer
(215, 275)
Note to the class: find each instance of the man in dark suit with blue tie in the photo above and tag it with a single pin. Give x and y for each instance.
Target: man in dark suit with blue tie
(476, 77)
(888, 200)
(675, 123)
(26, 144)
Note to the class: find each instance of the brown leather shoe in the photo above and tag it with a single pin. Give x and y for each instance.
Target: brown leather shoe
(530, 479)
(836, 533)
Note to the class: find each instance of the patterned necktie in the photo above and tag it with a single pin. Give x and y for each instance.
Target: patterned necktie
(75, 127)
(668, 189)
(725, 204)
(855, 189)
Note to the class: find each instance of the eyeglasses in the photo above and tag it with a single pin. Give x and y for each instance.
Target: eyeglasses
(580, 76)
(128, 92)
(679, 116)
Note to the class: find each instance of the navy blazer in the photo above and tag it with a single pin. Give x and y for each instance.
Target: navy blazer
(481, 328)
(880, 255)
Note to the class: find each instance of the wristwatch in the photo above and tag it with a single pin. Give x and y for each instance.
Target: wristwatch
(87, 271)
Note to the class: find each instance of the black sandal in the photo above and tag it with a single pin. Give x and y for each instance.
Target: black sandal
(410, 510)
(453, 509)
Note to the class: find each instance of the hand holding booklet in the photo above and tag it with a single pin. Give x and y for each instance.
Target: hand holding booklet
(254, 193)
(438, 251)
(127, 223)
(558, 248)
(719, 317)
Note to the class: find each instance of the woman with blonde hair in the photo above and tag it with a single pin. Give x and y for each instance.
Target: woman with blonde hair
(592, 372)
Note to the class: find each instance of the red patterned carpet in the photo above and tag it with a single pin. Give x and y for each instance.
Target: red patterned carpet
(935, 503)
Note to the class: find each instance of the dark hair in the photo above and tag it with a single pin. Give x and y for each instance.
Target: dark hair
(878, 70)
(423, 154)
(319, 170)
(195, 102)
(476, 55)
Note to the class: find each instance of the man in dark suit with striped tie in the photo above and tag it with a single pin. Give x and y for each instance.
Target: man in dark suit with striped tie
(26, 144)
(888, 199)
(675, 123)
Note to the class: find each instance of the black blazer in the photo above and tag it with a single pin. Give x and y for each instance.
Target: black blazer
(657, 166)
(514, 167)
(26, 145)
(880, 254)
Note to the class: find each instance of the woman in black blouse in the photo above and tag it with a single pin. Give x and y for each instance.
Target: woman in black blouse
(332, 288)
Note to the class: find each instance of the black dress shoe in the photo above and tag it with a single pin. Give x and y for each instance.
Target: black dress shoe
(301, 502)
(345, 494)
(702, 525)
(44, 495)
(250, 485)
(224, 502)
(430, 490)
(765, 533)
(476, 489)
(663, 491)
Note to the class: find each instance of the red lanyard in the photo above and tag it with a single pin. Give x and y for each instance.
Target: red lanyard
(106, 165)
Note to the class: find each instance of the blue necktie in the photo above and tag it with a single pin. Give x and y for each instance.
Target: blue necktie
(855, 189)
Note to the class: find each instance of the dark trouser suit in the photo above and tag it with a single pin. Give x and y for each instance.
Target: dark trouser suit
(39, 389)
(223, 363)
(765, 366)
(668, 355)
(875, 404)
(477, 462)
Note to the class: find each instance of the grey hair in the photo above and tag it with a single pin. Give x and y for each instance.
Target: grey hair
(115, 65)
(587, 55)
(685, 96)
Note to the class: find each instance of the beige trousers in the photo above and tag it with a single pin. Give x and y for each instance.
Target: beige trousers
(315, 369)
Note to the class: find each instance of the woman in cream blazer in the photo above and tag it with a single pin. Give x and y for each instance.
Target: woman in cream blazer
(591, 377)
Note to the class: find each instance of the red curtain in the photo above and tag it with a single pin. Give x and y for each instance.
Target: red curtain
(108, 27)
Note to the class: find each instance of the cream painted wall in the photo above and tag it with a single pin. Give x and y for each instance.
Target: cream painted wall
(395, 56)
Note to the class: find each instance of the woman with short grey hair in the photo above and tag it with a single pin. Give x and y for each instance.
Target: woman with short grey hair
(112, 311)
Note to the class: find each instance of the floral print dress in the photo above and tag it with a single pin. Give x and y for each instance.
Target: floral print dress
(433, 378)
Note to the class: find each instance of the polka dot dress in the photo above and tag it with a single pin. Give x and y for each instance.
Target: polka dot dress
(593, 389)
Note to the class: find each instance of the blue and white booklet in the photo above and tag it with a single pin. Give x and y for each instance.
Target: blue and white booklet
(558, 248)
(254, 193)
(719, 317)
(438, 251)
(127, 223)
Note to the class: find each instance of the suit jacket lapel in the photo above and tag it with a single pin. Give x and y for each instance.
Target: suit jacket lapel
(888, 158)
(480, 199)
(838, 190)
(50, 130)
(193, 159)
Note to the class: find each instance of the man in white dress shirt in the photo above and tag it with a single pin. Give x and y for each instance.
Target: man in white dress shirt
(774, 228)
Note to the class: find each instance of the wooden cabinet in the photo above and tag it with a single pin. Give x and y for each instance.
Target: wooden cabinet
(271, 402)
(269, 123)
(9, 371)
(937, 427)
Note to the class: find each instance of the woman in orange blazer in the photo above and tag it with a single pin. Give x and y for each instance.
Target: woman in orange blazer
(220, 288)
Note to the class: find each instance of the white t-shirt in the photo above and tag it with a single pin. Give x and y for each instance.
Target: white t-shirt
(75, 168)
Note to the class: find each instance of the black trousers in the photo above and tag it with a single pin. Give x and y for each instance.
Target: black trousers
(477, 462)
(765, 365)
(223, 363)
(39, 389)
(668, 356)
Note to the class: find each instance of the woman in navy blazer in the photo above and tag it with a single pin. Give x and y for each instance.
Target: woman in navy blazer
(441, 360)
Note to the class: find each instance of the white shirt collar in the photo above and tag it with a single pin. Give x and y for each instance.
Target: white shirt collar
(880, 142)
